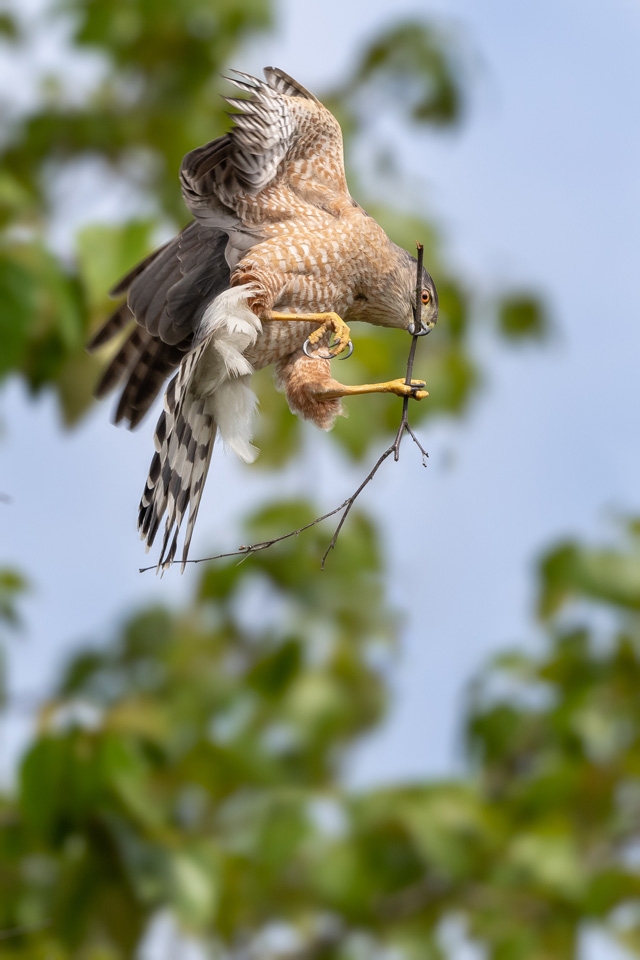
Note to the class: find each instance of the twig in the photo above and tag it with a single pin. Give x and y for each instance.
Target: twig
(402, 429)
(346, 505)
(245, 552)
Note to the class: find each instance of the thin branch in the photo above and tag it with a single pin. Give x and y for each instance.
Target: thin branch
(404, 427)
(246, 551)
(394, 449)
(351, 500)
(346, 505)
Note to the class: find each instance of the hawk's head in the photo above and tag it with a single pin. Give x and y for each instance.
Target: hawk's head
(389, 298)
(427, 309)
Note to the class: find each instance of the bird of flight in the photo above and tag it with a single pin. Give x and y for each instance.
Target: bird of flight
(276, 263)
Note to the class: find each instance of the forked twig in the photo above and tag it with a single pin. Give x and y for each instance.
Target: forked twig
(346, 505)
(245, 552)
(403, 428)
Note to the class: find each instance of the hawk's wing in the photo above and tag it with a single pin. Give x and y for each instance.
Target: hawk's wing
(284, 137)
(167, 294)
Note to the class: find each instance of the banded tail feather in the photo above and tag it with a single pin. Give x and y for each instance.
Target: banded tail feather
(184, 440)
(210, 394)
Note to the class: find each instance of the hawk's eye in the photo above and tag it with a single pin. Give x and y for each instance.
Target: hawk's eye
(426, 296)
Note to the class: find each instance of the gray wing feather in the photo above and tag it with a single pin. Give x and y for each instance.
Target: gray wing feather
(118, 320)
(278, 119)
(167, 294)
(194, 258)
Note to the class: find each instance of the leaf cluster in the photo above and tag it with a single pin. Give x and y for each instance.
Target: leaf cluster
(196, 766)
(182, 767)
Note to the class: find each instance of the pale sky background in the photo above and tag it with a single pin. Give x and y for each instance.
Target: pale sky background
(539, 189)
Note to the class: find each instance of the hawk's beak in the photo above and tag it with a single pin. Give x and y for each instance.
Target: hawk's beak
(422, 330)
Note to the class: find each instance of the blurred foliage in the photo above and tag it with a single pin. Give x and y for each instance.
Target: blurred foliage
(419, 69)
(522, 318)
(184, 765)
(194, 768)
(12, 586)
(151, 93)
(569, 570)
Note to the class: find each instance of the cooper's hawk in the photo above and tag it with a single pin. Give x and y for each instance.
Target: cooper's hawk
(278, 259)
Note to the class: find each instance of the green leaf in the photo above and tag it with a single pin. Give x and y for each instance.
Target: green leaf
(17, 314)
(12, 586)
(106, 253)
(195, 885)
(43, 785)
(9, 29)
(271, 675)
(16, 200)
(76, 384)
(126, 773)
(551, 860)
(418, 60)
(569, 571)
(522, 317)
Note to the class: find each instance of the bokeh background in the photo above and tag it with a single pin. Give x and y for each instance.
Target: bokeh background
(266, 761)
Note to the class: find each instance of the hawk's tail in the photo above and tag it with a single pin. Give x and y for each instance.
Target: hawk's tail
(210, 394)
(184, 440)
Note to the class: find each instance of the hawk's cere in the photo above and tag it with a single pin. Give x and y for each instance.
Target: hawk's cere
(278, 259)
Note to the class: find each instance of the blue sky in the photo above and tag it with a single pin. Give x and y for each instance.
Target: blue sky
(540, 188)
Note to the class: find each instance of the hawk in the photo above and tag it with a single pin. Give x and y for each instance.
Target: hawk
(277, 261)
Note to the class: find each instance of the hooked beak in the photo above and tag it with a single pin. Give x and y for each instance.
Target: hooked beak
(422, 330)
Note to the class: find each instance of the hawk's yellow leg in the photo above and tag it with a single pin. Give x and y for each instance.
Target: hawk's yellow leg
(332, 389)
(327, 321)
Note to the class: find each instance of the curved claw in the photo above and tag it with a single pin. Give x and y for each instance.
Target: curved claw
(327, 356)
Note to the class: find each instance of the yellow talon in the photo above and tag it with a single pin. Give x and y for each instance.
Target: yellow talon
(338, 327)
(328, 322)
(416, 389)
(333, 388)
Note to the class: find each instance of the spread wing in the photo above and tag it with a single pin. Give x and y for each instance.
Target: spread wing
(284, 139)
(283, 158)
(167, 294)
